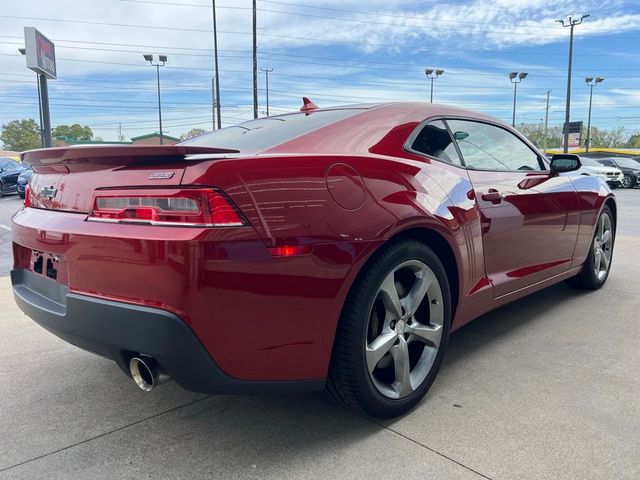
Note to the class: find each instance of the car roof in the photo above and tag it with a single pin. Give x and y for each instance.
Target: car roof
(377, 127)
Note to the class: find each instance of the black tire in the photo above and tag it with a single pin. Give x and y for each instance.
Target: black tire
(587, 279)
(350, 383)
(21, 195)
(628, 181)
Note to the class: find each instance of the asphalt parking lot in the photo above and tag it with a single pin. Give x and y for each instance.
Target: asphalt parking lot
(544, 388)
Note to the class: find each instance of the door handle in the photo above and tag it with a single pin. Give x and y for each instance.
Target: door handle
(493, 196)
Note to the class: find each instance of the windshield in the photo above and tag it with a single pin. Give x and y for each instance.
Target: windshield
(627, 162)
(9, 164)
(590, 162)
(264, 133)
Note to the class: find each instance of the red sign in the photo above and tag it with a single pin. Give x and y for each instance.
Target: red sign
(40, 52)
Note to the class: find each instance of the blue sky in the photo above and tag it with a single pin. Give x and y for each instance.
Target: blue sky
(334, 51)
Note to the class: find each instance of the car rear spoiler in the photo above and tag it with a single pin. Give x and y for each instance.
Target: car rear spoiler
(115, 154)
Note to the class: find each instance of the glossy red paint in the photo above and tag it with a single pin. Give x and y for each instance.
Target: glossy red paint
(265, 299)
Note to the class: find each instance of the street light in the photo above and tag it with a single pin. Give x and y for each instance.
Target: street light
(432, 74)
(162, 59)
(592, 82)
(516, 78)
(569, 23)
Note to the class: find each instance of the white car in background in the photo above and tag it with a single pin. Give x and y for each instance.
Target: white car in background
(612, 175)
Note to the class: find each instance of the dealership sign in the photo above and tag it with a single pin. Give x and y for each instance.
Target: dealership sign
(40, 52)
(575, 134)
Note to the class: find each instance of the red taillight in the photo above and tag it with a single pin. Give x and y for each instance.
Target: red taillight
(173, 207)
(27, 196)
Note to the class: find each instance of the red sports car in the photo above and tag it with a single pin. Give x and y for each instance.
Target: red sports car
(325, 249)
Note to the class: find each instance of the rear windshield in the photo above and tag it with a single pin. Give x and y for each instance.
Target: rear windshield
(264, 133)
(9, 164)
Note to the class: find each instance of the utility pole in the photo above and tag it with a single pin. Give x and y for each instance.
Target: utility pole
(216, 95)
(516, 78)
(255, 63)
(546, 122)
(266, 75)
(120, 137)
(432, 74)
(591, 83)
(570, 22)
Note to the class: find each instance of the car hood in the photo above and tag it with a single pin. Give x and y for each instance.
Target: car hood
(601, 169)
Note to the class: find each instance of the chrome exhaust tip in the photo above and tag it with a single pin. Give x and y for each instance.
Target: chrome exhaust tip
(147, 373)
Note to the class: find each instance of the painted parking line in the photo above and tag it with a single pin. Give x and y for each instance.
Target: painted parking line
(5, 227)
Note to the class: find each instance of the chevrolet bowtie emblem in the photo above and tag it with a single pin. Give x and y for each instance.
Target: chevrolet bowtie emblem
(48, 192)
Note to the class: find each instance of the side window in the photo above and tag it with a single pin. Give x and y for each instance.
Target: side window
(487, 147)
(434, 140)
(608, 163)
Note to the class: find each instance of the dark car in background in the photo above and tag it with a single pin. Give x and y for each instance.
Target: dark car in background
(23, 180)
(630, 168)
(9, 172)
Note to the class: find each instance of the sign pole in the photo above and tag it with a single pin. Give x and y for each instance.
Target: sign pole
(46, 119)
(42, 141)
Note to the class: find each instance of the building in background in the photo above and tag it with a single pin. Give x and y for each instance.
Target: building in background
(154, 139)
(148, 139)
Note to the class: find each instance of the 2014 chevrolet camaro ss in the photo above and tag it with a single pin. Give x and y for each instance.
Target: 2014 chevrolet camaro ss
(326, 249)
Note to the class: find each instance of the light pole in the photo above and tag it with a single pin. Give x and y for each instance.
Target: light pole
(570, 22)
(162, 59)
(432, 74)
(216, 97)
(516, 78)
(267, 71)
(592, 82)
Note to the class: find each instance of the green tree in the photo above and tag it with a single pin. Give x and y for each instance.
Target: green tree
(194, 132)
(73, 133)
(535, 133)
(607, 138)
(634, 141)
(20, 135)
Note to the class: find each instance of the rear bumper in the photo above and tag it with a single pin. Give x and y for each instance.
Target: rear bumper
(119, 330)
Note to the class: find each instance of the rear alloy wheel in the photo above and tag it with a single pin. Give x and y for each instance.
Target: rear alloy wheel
(598, 263)
(627, 181)
(393, 331)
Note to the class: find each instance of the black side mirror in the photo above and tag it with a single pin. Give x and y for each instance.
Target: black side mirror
(565, 163)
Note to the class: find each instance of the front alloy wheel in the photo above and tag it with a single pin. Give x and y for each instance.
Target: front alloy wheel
(393, 331)
(627, 181)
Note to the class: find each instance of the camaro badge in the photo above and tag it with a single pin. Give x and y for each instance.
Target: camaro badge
(48, 192)
(161, 175)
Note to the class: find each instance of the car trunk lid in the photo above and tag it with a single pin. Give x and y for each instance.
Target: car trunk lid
(66, 178)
